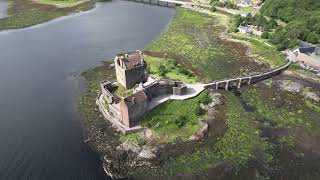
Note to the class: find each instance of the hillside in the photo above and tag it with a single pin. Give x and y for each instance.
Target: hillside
(303, 18)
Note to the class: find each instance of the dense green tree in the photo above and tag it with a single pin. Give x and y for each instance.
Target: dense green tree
(302, 16)
(265, 35)
(162, 70)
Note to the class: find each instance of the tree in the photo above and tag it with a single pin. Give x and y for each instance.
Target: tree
(313, 38)
(265, 35)
(273, 23)
(303, 18)
(213, 9)
(198, 111)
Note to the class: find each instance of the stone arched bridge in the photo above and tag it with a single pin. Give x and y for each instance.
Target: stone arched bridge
(195, 89)
(246, 80)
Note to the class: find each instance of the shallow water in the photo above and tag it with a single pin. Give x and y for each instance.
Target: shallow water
(40, 132)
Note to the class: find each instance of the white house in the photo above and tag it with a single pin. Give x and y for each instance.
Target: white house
(245, 3)
(245, 29)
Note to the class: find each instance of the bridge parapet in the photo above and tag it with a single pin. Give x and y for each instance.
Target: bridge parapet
(247, 80)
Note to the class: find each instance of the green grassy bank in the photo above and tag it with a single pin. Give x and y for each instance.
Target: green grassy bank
(25, 13)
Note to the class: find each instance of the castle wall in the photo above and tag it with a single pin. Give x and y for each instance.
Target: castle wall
(133, 113)
(108, 96)
(125, 113)
(120, 72)
(158, 90)
(135, 76)
(130, 77)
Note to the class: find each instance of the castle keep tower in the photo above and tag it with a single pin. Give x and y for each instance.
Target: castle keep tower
(131, 69)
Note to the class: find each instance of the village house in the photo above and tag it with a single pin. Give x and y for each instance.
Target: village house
(245, 29)
(245, 3)
(308, 57)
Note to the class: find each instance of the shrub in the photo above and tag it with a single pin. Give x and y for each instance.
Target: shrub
(162, 70)
(198, 110)
(185, 72)
(172, 62)
(213, 9)
(205, 99)
(265, 35)
(180, 121)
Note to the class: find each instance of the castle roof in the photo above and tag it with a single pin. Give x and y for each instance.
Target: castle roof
(132, 59)
(308, 50)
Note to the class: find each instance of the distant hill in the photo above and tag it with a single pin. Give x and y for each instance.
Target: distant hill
(302, 16)
(290, 10)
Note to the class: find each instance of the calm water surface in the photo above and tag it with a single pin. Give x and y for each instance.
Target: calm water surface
(40, 133)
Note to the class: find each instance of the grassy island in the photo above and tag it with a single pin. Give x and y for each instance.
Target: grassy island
(260, 131)
(25, 13)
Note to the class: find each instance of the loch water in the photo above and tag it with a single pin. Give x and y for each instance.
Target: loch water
(40, 67)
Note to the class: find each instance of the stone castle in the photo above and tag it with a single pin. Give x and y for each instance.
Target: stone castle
(126, 112)
(142, 93)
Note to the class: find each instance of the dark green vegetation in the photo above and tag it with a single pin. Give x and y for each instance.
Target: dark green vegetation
(227, 4)
(258, 20)
(176, 119)
(25, 13)
(303, 18)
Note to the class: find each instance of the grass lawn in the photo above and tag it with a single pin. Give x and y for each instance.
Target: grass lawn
(176, 119)
(174, 70)
(62, 3)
